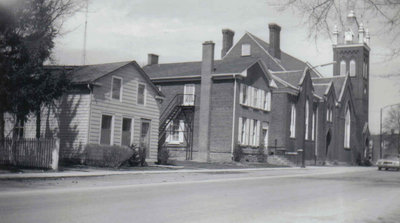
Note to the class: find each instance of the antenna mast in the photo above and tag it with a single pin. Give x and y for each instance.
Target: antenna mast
(84, 35)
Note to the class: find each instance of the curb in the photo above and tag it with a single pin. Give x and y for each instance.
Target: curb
(23, 176)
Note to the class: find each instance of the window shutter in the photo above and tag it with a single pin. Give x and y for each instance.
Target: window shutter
(240, 130)
(258, 133)
(260, 98)
(251, 141)
(181, 130)
(249, 95)
(268, 101)
(246, 141)
(241, 99)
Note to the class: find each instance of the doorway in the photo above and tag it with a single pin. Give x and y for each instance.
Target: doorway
(145, 135)
(328, 142)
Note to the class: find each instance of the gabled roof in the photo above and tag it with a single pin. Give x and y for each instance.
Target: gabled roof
(321, 89)
(291, 77)
(287, 61)
(338, 83)
(90, 73)
(186, 69)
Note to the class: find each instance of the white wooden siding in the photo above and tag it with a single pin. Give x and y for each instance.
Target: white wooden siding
(128, 107)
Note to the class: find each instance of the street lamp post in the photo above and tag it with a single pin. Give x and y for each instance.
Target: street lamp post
(380, 131)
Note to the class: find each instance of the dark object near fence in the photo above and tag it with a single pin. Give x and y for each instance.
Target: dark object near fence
(34, 153)
(137, 158)
(163, 156)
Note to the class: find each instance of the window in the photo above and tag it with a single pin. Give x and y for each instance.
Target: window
(293, 122)
(365, 70)
(126, 132)
(175, 131)
(141, 97)
(307, 119)
(352, 68)
(106, 130)
(313, 127)
(243, 94)
(343, 68)
(249, 132)
(116, 88)
(348, 36)
(188, 94)
(246, 50)
(267, 102)
(330, 115)
(347, 128)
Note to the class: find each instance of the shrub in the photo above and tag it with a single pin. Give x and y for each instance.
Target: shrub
(237, 153)
(163, 156)
(106, 155)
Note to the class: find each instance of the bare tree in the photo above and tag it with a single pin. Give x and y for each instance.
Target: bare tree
(392, 128)
(322, 15)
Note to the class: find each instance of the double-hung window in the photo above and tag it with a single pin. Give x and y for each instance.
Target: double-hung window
(141, 95)
(106, 130)
(116, 88)
(175, 131)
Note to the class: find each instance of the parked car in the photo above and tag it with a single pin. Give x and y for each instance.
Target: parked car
(389, 162)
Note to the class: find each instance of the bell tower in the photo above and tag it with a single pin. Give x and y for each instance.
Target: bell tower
(351, 53)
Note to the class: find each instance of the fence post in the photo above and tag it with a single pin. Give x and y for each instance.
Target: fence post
(55, 152)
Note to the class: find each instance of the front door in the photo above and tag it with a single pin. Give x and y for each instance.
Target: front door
(145, 135)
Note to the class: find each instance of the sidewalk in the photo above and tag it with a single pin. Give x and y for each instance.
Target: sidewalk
(179, 167)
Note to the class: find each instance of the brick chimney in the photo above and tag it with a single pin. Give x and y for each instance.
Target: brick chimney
(152, 59)
(227, 41)
(207, 67)
(274, 40)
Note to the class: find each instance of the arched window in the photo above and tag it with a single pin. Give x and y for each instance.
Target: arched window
(352, 68)
(343, 68)
(307, 119)
(293, 122)
(347, 128)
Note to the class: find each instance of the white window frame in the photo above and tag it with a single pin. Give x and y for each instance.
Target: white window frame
(181, 129)
(293, 121)
(144, 94)
(112, 128)
(343, 68)
(120, 90)
(188, 97)
(246, 49)
(307, 114)
(352, 68)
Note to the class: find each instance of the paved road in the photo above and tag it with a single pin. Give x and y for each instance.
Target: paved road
(337, 194)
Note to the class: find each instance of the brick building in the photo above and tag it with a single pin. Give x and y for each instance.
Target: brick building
(258, 97)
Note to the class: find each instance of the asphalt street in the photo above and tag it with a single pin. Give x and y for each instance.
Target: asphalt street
(326, 194)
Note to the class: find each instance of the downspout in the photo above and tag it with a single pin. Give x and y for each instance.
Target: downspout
(234, 116)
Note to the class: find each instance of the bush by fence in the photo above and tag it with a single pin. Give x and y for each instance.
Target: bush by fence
(106, 155)
(36, 153)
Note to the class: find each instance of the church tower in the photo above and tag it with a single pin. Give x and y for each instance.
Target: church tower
(351, 53)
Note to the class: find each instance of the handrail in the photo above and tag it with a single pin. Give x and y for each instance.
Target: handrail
(178, 99)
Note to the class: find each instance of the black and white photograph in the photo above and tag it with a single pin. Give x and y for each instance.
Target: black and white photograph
(197, 111)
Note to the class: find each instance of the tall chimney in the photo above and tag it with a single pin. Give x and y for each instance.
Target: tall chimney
(152, 59)
(227, 41)
(274, 40)
(207, 67)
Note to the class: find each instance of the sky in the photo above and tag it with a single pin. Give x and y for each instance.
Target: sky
(122, 30)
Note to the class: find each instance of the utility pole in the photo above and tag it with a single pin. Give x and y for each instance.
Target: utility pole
(85, 33)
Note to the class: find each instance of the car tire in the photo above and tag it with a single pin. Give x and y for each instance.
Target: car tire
(379, 168)
(386, 168)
